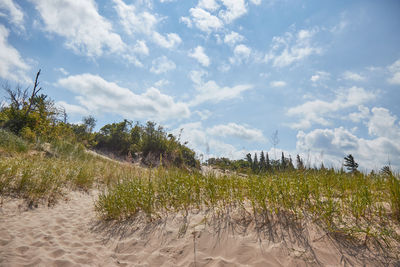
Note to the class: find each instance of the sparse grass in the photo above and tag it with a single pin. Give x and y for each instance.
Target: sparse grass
(357, 205)
(44, 174)
(353, 204)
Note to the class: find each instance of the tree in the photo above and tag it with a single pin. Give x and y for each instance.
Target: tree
(299, 163)
(275, 141)
(350, 163)
(262, 162)
(249, 159)
(283, 162)
(290, 164)
(267, 163)
(386, 170)
(28, 113)
(89, 122)
(255, 163)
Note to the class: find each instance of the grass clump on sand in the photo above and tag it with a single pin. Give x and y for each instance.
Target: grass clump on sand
(358, 205)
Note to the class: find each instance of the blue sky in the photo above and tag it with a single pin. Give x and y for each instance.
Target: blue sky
(325, 74)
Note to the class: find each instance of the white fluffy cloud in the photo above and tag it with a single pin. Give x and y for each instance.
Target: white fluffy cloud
(85, 30)
(73, 109)
(277, 84)
(162, 64)
(97, 95)
(233, 38)
(363, 113)
(233, 9)
(204, 20)
(12, 66)
(292, 47)
(320, 76)
(210, 91)
(383, 146)
(395, 71)
(210, 5)
(241, 53)
(170, 40)
(15, 14)
(141, 48)
(144, 22)
(256, 2)
(205, 142)
(199, 54)
(316, 111)
(352, 76)
(210, 15)
(383, 124)
(134, 21)
(238, 131)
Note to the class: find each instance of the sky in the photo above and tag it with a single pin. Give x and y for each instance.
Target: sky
(224, 75)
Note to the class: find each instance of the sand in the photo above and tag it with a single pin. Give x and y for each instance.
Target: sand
(70, 234)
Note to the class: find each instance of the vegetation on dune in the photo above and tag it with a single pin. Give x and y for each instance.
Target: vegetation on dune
(150, 144)
(256, 165)
(42, 155)
(353, 204)
(36, 118)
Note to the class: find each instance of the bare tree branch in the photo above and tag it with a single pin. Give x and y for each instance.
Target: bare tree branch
(35, 91)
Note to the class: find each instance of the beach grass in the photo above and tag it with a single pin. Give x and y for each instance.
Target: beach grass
(355, 204)
(48, 171)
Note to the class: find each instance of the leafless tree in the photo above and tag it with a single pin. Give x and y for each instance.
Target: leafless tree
(275, 141)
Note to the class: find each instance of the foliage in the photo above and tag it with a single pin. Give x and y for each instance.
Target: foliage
(31, 115)
(299, 163)
(149, 143)
(350, 163)
(253, 164)
(36, 118)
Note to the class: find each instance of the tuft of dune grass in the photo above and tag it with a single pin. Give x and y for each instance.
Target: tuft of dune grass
(356, 205)
(48, 172)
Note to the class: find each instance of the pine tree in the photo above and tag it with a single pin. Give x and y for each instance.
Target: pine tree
(386, 170)
(322, 166)
(262, 162)
(267, 163)
(299, 163)
(291, 167)
(350, 163)
(255, 163)
(283, 162)
(249, 159)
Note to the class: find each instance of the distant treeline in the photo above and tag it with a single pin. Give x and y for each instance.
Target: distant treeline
(263, 164)
(257, 164)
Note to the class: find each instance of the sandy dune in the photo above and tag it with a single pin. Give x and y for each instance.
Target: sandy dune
(69, 234)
